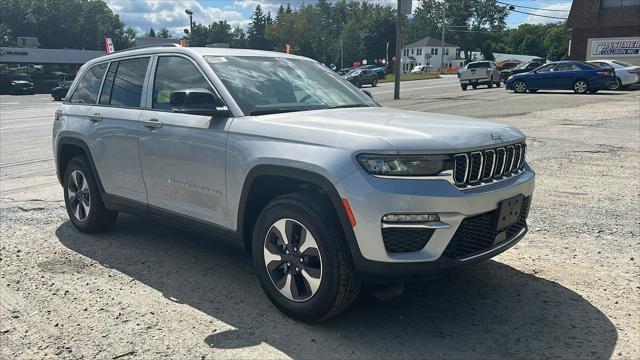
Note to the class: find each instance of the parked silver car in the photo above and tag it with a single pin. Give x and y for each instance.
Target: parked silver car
(326, 188)
(626, 74)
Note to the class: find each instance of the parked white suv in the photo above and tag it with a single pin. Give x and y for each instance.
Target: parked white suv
(325, 187)
(479, 73)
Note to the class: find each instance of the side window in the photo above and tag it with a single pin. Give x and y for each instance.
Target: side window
(127, 84)
(547, 68)
(175, 73)
(105, 95)
(87, 90)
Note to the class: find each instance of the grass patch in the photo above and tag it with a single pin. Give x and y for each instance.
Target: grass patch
(409, 77)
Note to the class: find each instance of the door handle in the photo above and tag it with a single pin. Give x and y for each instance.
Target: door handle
(152, 124)
(95, 117)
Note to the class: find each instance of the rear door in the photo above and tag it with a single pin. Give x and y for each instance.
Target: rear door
(114, 123)
(566, 74)
(182, 155)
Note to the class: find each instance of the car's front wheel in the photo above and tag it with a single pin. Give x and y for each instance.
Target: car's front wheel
(615, 85)
(520, 86)
(302, 259)
(82, 198)
(580, 87)
(357, 84)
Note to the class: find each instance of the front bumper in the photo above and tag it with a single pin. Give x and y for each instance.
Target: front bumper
(372, 197)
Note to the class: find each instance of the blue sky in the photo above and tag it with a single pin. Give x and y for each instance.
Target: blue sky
(143, 14)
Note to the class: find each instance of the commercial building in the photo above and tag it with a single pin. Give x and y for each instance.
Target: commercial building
(605, 29)
(428, 51)
(44, 67)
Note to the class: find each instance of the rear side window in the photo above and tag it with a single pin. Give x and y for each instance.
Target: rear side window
(87, 90)
(175, 73)
(479, 65)
(127, 83)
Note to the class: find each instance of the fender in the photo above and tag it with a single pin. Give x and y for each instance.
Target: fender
(303, 175)
(69, 140)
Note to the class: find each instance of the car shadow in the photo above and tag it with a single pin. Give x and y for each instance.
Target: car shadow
(490, 310)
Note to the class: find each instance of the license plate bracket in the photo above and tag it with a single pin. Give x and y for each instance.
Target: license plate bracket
(509, 212)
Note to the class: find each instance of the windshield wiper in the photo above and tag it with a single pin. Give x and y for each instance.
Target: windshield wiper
(348, 106)
(273, 111)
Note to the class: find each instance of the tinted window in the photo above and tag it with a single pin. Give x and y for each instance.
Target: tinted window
(127, 83)
(105, 95)
(547, 68)
(567, 67)
(87, 90)
(175, 73)
(479, 65)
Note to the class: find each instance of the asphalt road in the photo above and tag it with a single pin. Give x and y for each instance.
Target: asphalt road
(570, 289)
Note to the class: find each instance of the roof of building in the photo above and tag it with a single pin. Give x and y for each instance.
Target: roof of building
(429, 42)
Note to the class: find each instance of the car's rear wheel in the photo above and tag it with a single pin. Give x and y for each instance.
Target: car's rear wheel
(498, 84)
(464, 87)
(474, 86)
(580, 87)
(615, 85)
(302, 259)
(357, 84)
(520, 86)
(374, 83)
(82, 198)
(490, 85)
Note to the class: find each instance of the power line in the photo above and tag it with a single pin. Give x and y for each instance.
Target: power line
(544, 16)
(533, 8)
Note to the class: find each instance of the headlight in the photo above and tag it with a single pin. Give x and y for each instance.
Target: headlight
(398, 165)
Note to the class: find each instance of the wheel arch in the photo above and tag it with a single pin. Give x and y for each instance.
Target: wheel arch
(69, 147)
(279, 177)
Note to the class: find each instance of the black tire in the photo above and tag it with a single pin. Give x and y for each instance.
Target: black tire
(339, 285)
(580, 86)
(490, 85)
(357, 84)
(498, 84)
(464, 87)
(474, 86)
(519, 87)
(97, 218)
(374, 83)
(617, 85)
(57, 99)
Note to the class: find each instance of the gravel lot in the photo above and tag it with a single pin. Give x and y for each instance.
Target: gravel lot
(147, 289)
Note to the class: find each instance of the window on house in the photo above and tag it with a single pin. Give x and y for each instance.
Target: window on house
(436, 51)
(447, 51)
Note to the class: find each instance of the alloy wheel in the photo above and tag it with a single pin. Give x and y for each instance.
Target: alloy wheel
(293, 260)
(520, 86)
(580, 87)
(79, 195)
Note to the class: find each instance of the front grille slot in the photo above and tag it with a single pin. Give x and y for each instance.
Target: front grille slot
(477, 234)
(398, 240)
(483, 167)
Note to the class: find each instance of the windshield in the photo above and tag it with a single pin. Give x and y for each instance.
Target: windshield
(622, 63)
(521, 66)
(268, 85)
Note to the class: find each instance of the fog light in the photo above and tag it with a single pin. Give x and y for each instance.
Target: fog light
(408, 218)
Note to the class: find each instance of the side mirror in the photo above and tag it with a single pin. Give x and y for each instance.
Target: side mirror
(197, 102)
(368, 93)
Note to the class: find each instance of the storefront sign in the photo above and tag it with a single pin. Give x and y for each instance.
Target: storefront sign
(615, 47)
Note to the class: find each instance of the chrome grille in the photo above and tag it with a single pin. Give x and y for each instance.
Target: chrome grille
(487, 166)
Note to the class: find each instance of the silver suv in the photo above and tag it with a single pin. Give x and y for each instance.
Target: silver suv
(326, 188)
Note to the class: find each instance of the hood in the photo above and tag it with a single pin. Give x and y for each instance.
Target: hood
(394, 130)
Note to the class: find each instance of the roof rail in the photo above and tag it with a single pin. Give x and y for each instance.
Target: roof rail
(146, 46)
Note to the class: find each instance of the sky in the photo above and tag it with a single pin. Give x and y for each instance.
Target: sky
(144, 14)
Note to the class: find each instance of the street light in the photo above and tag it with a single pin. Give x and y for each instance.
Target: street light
(190, 13)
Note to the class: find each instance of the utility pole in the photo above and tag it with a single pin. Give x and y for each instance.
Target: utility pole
(396, 85)
(444, 7)
(341, 55)
(190, 13)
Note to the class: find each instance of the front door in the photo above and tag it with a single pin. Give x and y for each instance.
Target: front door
(544, 78)
(182, 155)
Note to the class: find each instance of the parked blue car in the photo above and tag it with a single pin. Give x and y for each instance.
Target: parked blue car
(578, 76)
(382, 73)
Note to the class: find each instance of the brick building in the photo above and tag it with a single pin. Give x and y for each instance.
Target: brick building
(605, 29)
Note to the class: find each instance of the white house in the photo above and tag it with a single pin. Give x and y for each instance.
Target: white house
(428, 51)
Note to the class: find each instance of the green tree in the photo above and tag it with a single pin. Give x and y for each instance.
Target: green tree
(151, 33)
(556, 42)
(200, 35)
(487, 51)
(238, 38)
(220, 32)
(257, 30)
(164, 33)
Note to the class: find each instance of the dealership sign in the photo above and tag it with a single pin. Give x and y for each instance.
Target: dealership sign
(615, 47)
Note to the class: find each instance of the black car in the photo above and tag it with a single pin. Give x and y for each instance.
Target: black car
(359, 77)
(522, 68)
(60, 91)
(21, 87)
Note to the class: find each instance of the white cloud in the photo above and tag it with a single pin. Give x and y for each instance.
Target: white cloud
(531, 19)
(144, 14)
